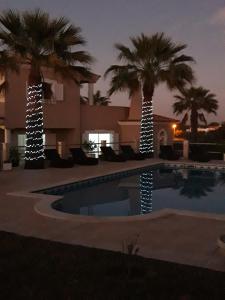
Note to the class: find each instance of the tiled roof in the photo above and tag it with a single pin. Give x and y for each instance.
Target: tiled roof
(158, 118)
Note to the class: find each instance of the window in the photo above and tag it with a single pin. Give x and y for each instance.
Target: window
(101, 139)
(52, 91)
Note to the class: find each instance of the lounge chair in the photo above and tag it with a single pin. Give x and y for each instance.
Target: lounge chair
(129, 153)
(167, 152)
(80, 158)
(56, 161)
(198, 153)
(109, 155)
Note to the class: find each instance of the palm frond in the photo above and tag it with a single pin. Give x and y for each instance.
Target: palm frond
(35, 38)
(125, 53)
(196, 99)
(183, 59)
(11, 22)
(154, 59)
(184, 119)
(101, 100)
(123, 78)
(180, 106)
(3, 87)
(8, 62)
(202, 118)
(177, 76)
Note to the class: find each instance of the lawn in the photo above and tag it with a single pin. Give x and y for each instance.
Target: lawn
(32, 268)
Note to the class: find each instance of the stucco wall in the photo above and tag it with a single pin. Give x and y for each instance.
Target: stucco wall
(63, 114)
(2, 110)
(131, 133)
(135, 106)
(102, 117)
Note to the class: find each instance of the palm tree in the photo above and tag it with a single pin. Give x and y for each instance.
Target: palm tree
(151, 60)
(35, 39)
(193, 102)
(101, 100)
(6, 62)
(98, 99)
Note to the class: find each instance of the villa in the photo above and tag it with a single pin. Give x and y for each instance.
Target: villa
(69, 123)
(145, 219)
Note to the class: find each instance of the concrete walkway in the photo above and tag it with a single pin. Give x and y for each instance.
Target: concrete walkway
(189, 239)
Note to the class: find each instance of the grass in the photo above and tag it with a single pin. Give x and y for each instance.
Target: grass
(32, 268)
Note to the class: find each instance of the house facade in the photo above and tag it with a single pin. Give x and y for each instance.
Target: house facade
(68, 123)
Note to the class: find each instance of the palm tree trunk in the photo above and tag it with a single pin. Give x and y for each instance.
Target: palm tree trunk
(147, 126)
(34, 152)
(194, 125)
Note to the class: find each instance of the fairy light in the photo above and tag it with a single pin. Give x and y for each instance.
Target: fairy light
(147, 126)
(146, 140)
(34, 124)
(146, 188)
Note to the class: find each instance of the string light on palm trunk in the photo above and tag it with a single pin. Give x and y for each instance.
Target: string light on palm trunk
(146, 134)
(147, 127)
(34, 124)
(146, 188)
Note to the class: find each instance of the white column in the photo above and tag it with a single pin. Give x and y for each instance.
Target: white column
(186, 149)
(7, 136)
(91, 93)
(6, 144)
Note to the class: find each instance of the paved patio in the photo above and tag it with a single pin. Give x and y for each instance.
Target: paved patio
(189, 239)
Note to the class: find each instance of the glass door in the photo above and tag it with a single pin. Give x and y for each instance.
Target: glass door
(101, 139)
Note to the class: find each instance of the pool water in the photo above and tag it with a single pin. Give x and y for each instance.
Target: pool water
(146, 191)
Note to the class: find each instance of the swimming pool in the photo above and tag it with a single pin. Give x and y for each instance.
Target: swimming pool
(144, 191)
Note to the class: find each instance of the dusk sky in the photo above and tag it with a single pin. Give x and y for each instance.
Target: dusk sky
(198, 23)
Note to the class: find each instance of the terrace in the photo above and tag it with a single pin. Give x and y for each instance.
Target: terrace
(100, 222)
(176, 236)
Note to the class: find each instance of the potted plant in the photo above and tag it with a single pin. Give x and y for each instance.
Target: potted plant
(7, 165)
(14, 156)
(89, 146)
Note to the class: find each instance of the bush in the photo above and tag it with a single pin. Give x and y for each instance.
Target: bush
(14, 156)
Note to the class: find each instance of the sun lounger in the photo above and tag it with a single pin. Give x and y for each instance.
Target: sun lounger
(109, 155)
(56, 161)
(129, 153)
(167, 152)
(80, 158)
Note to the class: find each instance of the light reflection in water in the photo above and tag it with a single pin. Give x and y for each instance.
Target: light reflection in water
(185, 189)
(146, 188)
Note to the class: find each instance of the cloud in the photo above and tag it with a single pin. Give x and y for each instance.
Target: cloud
(219, 16)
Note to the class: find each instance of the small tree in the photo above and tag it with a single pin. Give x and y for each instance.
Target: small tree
(98, 99)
